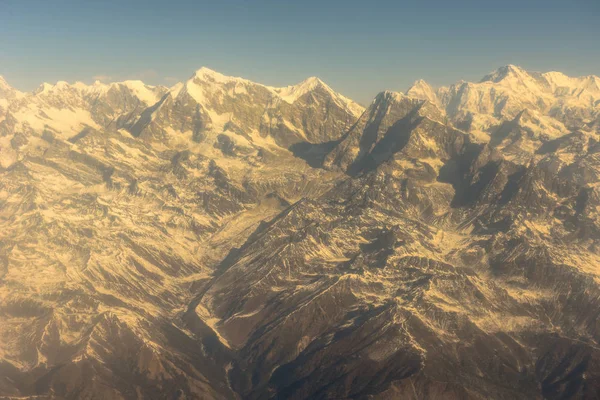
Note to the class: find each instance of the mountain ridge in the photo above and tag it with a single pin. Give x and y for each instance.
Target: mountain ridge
(165, 250)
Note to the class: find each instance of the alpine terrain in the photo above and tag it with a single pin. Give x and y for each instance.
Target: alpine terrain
(223, 239)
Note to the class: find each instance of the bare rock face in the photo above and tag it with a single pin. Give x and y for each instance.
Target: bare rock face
(225, 239)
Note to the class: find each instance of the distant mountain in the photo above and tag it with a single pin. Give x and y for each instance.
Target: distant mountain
(556, 103)
(225, 239)
(246, 112)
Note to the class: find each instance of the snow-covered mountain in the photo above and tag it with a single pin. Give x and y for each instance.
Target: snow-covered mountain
(245, 112)
(555, 103)
(226, 239)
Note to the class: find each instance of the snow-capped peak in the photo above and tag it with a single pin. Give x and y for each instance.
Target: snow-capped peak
(311, 83)
(145, 93)
(175, 89)
(60, 86)
(7, 91)
(388, 96)
(78, 94)
(422, 90)
(205, 83)
(420, 83)
(207, 74)
(557, 78)
(592, 84)
(43, 88)
(80, 85)
(502, 73)
(292, 93)
(3, 83)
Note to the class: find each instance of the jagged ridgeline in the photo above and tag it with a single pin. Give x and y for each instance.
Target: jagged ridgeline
(225, 239)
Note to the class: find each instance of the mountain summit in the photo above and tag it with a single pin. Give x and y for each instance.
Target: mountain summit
(511, 72)
(559, 103)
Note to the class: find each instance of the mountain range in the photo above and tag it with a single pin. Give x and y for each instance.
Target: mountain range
(224, 239)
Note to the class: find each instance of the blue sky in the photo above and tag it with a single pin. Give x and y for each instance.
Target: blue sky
(358, 47)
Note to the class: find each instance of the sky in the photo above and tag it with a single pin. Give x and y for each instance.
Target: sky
(358, 47)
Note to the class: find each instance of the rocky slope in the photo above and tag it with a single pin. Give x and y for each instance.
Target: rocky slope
(226, 239)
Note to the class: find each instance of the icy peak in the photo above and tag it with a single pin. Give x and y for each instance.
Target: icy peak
(134, 84)
(143, 92)
(46, 88)
(146, 93)
(175, 89)
(80, 85)
(3, 83)
(205, 71)
(592, 83)
(62, 85)
(289, 94)
(292, 93)
(555, 75)
(7, 91)
(422, 90)
(509, 71)
(311, 82)
(43, 88)
(388, 96)
(420, 83)
(209, 75)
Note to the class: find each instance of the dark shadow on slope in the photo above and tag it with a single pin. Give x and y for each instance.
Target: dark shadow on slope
(313, 153)
(234, 254)
(457, 172)
(394, 140)
(198, 126)
(491, 228)
(369, 135)
(512, 186)
(337, 371)
(552, 146)
(86, 131)
(567, 379)
(504, 130)
(146, 118)
(470, 194)
(581, 201)
(593, 146)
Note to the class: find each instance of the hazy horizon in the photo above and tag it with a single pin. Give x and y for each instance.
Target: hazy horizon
(358, 49)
